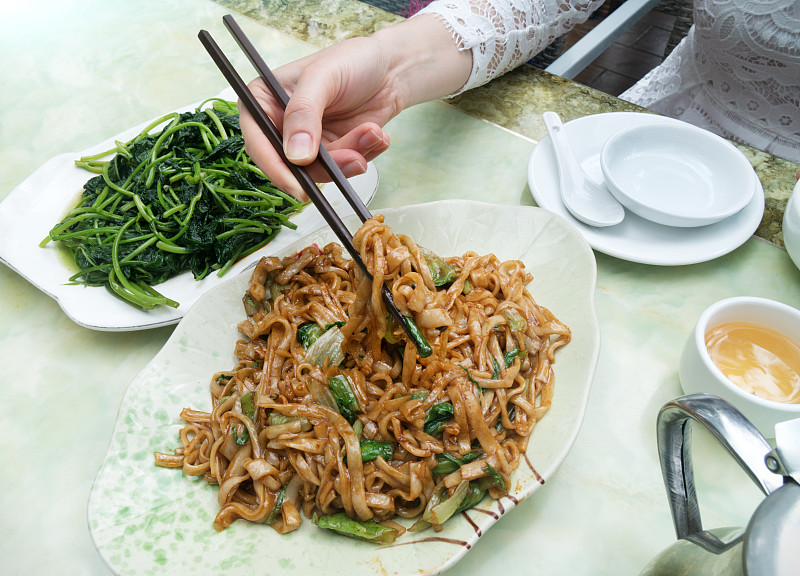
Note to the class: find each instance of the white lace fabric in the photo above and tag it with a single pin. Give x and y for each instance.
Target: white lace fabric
(502, 34)
(737, 73)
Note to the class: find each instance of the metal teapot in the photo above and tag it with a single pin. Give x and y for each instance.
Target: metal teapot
(770, 544)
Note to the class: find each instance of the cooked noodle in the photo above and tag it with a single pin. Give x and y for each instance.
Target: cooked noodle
(278, 441)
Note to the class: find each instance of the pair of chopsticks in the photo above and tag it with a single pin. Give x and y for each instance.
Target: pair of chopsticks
(309, 186)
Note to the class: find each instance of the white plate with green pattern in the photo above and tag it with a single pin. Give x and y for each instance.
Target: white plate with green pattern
(149, 520)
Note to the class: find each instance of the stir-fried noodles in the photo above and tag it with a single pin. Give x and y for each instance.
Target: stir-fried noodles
(333, 412)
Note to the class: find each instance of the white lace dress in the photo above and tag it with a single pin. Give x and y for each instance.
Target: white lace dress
(737, 73)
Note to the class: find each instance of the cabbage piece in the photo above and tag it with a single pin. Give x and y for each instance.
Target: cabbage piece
(327, 347)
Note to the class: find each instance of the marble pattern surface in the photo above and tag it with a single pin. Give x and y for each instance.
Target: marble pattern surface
(84, 71)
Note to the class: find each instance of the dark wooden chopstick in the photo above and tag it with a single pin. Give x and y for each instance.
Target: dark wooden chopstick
(309, 186)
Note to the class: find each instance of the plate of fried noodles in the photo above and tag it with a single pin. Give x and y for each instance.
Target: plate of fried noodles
(289, 425)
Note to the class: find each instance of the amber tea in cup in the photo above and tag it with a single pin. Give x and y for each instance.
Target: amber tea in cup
(758, 359)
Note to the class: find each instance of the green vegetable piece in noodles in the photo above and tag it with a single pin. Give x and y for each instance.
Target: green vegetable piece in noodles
(423, 347)
(447, 463)
(515, 320)
(391, 328)
(240, 440)
(368, 530)
(441, 272)
(474, 495)
(276, 510)
(509, 356)
(371, 449)
(248, 406)
(441, 507)
(436, 418)
(496, 371)
(327, 347)
(309, 333)
(493, 480)
(346, 400)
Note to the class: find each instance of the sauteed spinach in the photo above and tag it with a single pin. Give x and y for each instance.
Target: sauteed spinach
(182, 197)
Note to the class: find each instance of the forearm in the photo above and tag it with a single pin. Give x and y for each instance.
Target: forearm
(424, 61)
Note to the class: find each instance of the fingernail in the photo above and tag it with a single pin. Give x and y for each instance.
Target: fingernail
(354, 168)
(299, 147)
(370, 139)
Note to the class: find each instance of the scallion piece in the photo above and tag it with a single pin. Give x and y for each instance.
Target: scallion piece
(346, 400)
(423, 347)
(368, 530)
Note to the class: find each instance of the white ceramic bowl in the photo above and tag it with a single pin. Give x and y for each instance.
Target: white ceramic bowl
(698, 373)
(677, 174)
(791, 226)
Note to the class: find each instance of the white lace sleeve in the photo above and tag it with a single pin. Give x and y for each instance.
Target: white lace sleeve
(502, 34)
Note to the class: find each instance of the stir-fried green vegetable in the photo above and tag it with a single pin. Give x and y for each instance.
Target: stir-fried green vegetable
(509, 356)
(473, 496)
(362, 530)
(436, 418)
(309, 333)
(493, 480)
(447, 463)
(441, 272)
(249, 410)
(344, 397)
(276, 510)
(419, 340)
(184, 197)
(277, 419)
(371, 449)
(327, 348)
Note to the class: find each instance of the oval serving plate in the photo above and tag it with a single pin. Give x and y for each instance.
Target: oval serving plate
(31, 210)
(148, 520)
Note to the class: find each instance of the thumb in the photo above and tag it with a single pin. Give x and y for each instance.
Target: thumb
(302, 123)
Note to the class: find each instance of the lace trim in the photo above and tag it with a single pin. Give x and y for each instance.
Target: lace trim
(502, 34)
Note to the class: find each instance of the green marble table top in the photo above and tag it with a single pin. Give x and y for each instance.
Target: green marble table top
(79, 73)
(515, 101)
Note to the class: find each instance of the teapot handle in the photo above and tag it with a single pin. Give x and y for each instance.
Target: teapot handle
(737, 435)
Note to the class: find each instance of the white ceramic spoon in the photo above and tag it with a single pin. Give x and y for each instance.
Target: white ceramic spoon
(588, 202)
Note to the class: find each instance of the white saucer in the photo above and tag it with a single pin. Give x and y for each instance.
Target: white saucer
(635, 239)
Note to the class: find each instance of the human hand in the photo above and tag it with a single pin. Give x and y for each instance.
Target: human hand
(342, 95)
(338, 98)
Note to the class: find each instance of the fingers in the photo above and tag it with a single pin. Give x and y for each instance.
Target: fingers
(353, 151)
(368, 139)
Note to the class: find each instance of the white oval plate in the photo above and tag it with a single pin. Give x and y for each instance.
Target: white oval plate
(635, 239)
(29, 212)
(147, 520)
